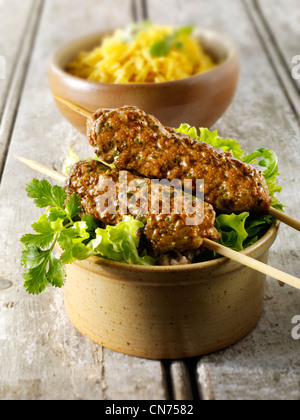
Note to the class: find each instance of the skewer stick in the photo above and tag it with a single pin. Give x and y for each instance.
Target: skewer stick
(252, 263)
(77, 108)
(42, 169)
(213, 246)
(282, 217)
(285, 218)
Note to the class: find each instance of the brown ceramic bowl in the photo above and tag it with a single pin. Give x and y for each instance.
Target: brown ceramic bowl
(199, 100)
(167, 312)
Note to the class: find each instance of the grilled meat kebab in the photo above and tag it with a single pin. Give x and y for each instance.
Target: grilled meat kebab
(166, 232)
(139, 143)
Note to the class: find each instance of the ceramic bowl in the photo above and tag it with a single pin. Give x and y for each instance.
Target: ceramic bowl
(167, 312)
(198, 100)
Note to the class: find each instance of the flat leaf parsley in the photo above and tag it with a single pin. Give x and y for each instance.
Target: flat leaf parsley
(79, 236)
(56, 226)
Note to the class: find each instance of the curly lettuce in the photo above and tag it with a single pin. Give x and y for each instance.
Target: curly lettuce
(237, 231)
(240, 231)
(71, 159)
(79, 237)
(121, 243)
(265, 158)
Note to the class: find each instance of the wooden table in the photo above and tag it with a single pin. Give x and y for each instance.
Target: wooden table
(41, 355)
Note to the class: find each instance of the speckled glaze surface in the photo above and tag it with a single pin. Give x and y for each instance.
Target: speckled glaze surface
(199, 100)
(167, 312)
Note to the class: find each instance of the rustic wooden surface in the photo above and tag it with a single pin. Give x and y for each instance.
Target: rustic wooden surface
(41, 354)
(283, 22)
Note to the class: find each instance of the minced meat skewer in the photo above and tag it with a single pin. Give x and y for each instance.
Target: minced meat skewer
(165, 232)
(139, 143)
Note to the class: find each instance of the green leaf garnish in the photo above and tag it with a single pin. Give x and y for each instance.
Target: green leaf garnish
(72, 159)
(240, 231)
(79, 240)
(233, 230)
(121, 243)
(45, 195)
(163, 47)
(265, 158)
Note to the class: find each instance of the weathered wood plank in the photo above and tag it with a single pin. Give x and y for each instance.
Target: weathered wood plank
(266, 364)
(283, 20)
(11, 37)
(18, 21)
(287, 72)
(42, 355)
(182, 388)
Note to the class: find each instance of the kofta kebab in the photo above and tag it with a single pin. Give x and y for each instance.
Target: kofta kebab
(166, 233)
(217, 165)
(141, 146)
(139, 143)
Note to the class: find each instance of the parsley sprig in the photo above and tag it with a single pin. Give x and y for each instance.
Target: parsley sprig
(57, 226)
(78, 235)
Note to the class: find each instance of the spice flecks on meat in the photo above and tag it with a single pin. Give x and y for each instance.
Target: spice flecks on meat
(163, 153)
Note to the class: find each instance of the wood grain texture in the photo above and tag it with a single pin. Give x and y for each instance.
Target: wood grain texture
(265, 365)
(18, 24)
(42, 355)
(282, 17)
(286, 72)
(182, 387)
(14, 16)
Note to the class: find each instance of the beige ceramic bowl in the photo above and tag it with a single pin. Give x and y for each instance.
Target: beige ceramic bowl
(199, 100)
(167, 312)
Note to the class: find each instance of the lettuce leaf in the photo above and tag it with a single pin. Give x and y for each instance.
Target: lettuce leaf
(265, 158)
(268, 159)
(239, 231)
(71, 159)
(232, 229)
(212, 138)
(79, 239)
(120, 243)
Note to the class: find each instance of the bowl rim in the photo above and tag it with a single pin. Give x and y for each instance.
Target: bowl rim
(223, 38)
(269, 237)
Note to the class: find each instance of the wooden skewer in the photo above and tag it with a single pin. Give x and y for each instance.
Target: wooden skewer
(288, 220)
(213, 246)
(282, 217)
(252, 263)
(42, 169)
(77, 108)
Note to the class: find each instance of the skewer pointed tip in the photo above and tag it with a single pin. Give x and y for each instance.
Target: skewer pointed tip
(77, 108)
(42, 169)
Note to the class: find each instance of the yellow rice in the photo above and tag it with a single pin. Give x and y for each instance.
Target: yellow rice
(122, 61)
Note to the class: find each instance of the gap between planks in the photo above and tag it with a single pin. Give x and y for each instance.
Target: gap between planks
(17, 81)
(274, 54)
(181, 380)
(139, 10)
(274, 39)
